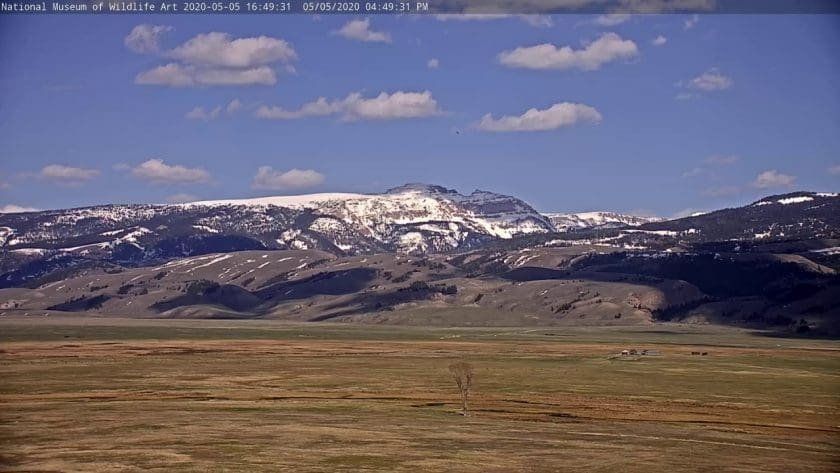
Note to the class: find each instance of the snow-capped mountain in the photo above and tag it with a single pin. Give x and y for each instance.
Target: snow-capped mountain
(565, 222)
(416, 218)
(411, 218)
(797, 215)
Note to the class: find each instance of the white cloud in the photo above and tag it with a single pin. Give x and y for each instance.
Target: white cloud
(158, 172)
(178, 75)
(67, 174)
(354, 107)
(773, 178)
(320, 107)
(215, 58)
(722, 160)
(612, 19)
(609, 47)
(710, 80)
(15, 209)
(222, 50)
(390, 106)
(433, 63)
(233, 106)
(834, 170)
(691, 22)
(684, 96)
(359, 30)
(270, 179)
(262, 75)
(200, 113)
(145, 38)
(181, 198)
(659, 40)
(172, 74)
(557, 116)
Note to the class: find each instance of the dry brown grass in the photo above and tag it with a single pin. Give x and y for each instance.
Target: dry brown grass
(390, 405)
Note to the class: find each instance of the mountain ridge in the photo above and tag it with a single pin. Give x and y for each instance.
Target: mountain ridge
(361, 257)
(411, 218)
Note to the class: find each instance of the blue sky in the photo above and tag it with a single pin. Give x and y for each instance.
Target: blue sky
(727, 108)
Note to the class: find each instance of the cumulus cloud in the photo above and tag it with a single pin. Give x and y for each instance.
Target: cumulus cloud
(773, 178)
(710, 80)
(67, 175)
(157, 171)
(834, 170)
(390, 106)
(15, 209)
(145, 38)
(318, 108)
(222, 50)
(270, 179)
(612, 19)
(180, 198)
(557, 116)
(659, 40)
(215, 58)
(609, 47)
(359, 30)
(178, 75)
(433, 63)
(384, 106)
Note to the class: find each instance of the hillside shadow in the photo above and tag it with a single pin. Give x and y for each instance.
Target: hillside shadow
(332, 283)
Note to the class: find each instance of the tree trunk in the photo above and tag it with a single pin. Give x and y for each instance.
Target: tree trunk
(464, 403)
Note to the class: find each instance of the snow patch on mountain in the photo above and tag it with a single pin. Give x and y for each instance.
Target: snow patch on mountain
(795, 200)
(565, 222)
(288, 201)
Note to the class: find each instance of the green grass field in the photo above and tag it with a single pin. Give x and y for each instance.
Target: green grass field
(147, 395)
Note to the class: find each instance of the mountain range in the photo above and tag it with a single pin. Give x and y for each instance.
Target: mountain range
(418, 247)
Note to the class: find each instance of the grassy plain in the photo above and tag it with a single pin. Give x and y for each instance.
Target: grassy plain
(85, 394)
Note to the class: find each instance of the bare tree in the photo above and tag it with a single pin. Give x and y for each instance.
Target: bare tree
(462, 372)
